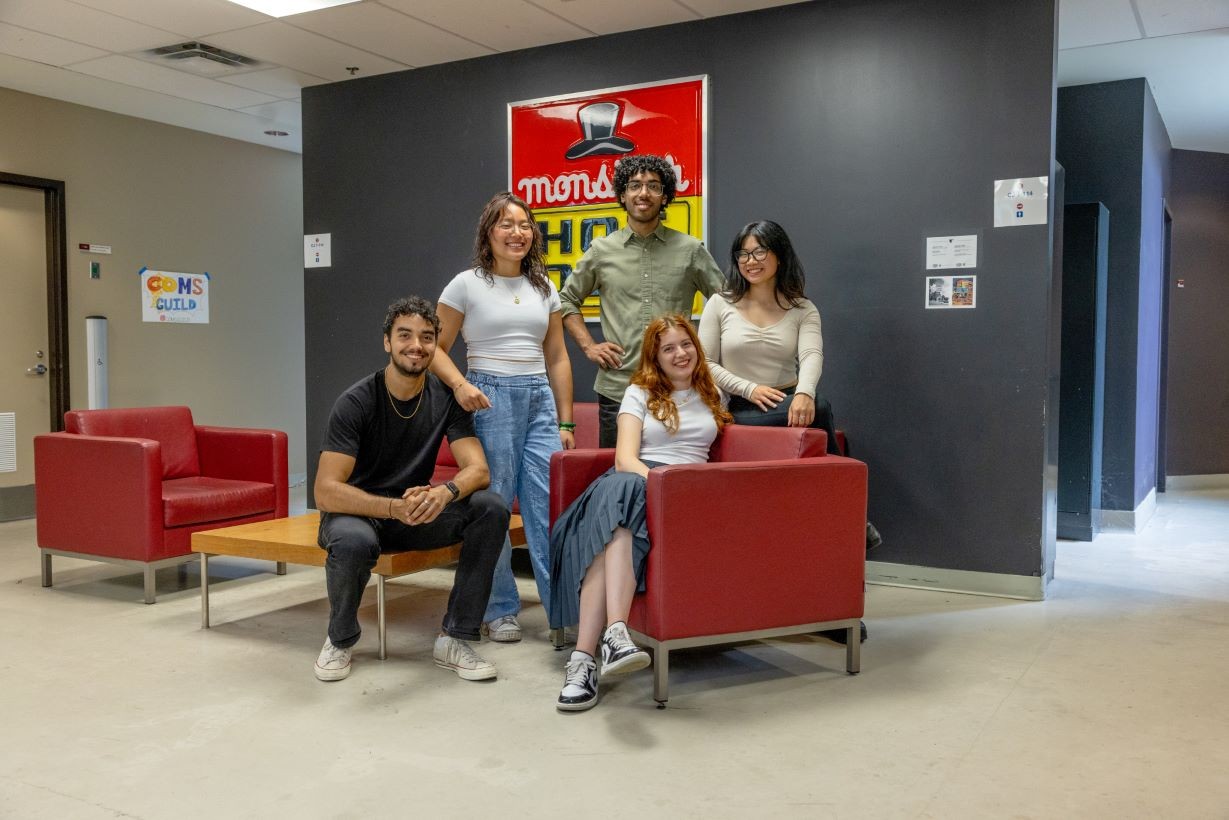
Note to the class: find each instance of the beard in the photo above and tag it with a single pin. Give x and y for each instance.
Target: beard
(408, 372)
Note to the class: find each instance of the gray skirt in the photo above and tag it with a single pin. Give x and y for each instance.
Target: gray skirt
(584, 529)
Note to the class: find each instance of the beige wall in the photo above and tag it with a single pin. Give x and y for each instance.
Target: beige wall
(178, 200)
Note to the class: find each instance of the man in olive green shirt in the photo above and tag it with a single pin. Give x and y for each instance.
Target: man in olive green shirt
(643, 271)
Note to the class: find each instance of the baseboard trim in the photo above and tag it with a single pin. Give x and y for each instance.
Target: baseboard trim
(1211, 481)
(966, 582)
(17, 503)
(1131, 521)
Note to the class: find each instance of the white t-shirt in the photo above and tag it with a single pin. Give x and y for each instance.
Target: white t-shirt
(695, 435)
(503, 337)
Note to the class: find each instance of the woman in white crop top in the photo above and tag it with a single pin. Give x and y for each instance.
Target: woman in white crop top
(518, 385)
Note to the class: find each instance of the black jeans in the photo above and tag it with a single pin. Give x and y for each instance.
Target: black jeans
(607, 421)
(744, 412)
(354, 544)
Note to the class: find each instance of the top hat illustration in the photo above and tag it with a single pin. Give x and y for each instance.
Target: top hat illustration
(599, 121)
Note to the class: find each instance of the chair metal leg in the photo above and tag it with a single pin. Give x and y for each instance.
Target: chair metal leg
(661, 676)
(853, 649)
(281, 567)
(204, 591)
(46, 556)
(149, 583)
(383, 626)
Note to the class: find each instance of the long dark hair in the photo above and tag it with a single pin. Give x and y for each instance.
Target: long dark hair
(533, 265)
(791, 279)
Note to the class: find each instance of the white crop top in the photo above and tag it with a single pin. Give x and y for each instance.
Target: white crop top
(503, 337)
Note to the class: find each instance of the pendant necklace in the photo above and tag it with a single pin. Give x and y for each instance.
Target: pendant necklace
(393, 404)
(516, 294)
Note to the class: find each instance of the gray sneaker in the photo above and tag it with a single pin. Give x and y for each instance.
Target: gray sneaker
(505, 629)
(461, 658)
(619, 654)
(579, 684)
(333, 662)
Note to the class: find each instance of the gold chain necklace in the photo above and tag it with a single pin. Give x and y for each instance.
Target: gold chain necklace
(393, 404)
(516, 294)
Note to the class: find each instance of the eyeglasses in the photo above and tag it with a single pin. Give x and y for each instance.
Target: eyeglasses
(509, 227)
(635, 186)
(758, 254)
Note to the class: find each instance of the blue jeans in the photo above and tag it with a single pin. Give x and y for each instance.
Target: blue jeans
(518, 434)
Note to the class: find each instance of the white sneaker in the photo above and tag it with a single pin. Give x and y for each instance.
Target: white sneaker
(461, 658)
(579, 683)
(619, 655)
(333, 662)
(505, 629)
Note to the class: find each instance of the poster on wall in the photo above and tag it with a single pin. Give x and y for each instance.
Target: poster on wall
(174, 298)
(951, 292)
(562, 153)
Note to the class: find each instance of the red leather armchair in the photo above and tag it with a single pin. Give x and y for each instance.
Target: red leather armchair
(767, 539)
(130, 486)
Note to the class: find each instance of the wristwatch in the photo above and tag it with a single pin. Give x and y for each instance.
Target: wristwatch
(452, 488)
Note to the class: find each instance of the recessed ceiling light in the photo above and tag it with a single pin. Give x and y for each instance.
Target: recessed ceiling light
(284, 8)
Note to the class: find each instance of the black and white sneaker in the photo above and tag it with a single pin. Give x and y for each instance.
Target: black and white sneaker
(579, 690)
(619, 655)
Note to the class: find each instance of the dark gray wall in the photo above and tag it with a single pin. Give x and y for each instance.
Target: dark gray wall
(863, 127)
(1197, 421)
(1115, 148)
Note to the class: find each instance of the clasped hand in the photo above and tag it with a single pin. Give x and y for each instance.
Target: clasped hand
(421, 505)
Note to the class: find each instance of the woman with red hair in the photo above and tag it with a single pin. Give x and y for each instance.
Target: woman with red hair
(670, 414)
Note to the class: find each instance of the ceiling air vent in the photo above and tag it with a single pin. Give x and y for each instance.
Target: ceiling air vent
(201, 58)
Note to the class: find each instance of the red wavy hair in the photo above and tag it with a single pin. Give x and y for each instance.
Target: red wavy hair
(653, 379)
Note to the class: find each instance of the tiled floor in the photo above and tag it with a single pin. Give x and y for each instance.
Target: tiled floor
(1107, 700)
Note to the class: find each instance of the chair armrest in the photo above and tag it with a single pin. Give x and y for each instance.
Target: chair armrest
(571, 471)
(98, 494)
(792, 533)
(246, 454)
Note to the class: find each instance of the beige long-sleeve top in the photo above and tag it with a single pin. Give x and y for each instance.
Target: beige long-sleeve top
(742, 355)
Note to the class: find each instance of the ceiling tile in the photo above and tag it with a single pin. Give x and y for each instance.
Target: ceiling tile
(187, 18)
(83, 25)
(279, 82)
(1165, 17)
(282, 112)
(505, 26)
(304, 51)
(1084, 23)
(716, 8)
(381, 30)
(43, 48)
(604, 17)
(141, 74)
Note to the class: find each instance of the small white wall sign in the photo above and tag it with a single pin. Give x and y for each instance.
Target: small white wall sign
(317, 250)
(951, 252)
(1021, 201)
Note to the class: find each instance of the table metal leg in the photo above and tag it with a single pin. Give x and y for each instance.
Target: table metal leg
(204, 591)
(281, 567)
(383, 626)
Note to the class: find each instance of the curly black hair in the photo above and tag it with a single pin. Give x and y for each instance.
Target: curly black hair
(629, 166)
(411, 306)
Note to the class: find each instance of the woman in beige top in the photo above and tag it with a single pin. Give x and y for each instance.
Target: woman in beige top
(762, 336)
(763, 343)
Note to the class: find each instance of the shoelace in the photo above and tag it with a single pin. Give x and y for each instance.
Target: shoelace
(467, 652)
(577, 672)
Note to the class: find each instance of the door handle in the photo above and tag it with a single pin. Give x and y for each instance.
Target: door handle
(38, 370)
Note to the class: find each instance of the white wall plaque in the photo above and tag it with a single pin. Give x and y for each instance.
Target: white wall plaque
(951, 252)
(1020, 201)
(317, 250)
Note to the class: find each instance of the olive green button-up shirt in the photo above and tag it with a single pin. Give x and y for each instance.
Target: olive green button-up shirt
(639, 279)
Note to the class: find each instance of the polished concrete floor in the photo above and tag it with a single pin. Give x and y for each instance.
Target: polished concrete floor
(1107, 700)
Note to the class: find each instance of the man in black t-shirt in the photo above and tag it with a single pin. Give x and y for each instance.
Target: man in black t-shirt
(374, 494)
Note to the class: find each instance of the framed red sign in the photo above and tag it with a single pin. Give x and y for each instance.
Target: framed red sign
(562, 153)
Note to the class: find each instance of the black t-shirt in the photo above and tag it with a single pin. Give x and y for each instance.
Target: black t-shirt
(392, 453)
